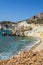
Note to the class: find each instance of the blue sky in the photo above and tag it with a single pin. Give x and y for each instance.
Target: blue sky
(16, 10)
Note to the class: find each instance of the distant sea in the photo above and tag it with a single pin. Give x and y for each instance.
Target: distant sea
(11, 45)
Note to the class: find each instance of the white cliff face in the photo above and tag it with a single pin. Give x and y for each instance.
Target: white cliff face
(0, 27)
(23, 23)
(36, 31)
(29, 29)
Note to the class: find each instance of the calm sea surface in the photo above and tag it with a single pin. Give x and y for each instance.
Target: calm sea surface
(10, 45)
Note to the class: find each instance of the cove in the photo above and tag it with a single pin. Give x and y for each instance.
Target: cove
(10, 46)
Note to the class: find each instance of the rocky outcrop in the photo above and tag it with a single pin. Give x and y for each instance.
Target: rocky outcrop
(19, 31)
(12, 34)
(4, 33)
(1, 28)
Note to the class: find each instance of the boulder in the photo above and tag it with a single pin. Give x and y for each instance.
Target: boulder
(12, 34)
(1, 28)
(4, 33)
(22, 34)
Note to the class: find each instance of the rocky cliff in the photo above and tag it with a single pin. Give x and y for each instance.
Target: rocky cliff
(25, 27)
(28, 26)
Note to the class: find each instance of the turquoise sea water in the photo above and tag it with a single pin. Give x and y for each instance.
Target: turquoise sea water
(10, 45)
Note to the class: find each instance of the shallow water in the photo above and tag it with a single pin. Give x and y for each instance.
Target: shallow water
(10, 46)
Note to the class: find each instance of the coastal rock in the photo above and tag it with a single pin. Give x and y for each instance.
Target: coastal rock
(22, 34)
(17, 33)
(4, 33)
(12, 34)
(1, 28)
(21, 29)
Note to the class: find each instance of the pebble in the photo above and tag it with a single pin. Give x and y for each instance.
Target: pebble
(25, 58)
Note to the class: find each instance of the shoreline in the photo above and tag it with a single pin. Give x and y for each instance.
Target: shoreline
(38, 47)
(25, 57)
(35, 46)
(27, 49)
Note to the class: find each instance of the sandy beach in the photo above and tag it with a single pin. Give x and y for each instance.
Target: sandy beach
(38, 46)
